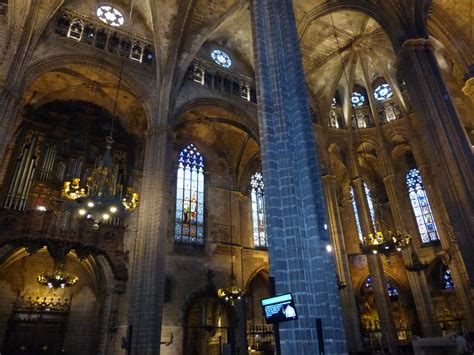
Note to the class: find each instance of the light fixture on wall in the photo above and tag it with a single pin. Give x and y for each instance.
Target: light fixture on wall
(99, 198)
(232, 292)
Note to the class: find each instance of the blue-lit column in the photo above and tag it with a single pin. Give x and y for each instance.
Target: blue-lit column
(293, 195)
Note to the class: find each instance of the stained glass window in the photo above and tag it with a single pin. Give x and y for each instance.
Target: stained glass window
(334, 101)
(447, 280)
(221, 58)
(357, 99)
(110, 15)
(391, 290)
(383, 92)
(356, 215)
(258, 211)
(421, 207)
(370, 205)
(190, 197)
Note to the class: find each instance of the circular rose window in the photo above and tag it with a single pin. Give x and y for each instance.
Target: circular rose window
(110, 15)
(221, 58)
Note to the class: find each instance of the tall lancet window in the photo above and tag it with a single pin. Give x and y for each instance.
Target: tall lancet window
(370, 205)
(258, 211)
(421, 207)
(356, 215)
(190, 197)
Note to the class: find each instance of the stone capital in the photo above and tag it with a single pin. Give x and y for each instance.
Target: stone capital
(417, 43)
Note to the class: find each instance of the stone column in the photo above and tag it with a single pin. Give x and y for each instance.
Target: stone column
(349, 305)
(379, 281)
(417, 279)
(148, 274)
(453, 257)
(444, 137)
(293, 196)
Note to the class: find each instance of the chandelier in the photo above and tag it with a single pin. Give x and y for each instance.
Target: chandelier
(58, 278)
(387, 243)
(232, 292)
(99, 199)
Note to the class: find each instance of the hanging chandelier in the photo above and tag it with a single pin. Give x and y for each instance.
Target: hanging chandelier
(99, 199)
(387, 243)
(231, 293)
(58, 278)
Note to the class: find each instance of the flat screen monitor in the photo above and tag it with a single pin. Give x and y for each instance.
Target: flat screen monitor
(280, 308)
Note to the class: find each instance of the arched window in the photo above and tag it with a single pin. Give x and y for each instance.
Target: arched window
(356, 215)
(190, 197)
(370, 205)
(258, 211)
(421, 207)
(391, 290)
(357, 99)
(75, 30)
(446, 279)
(333, 119)
(383, 92)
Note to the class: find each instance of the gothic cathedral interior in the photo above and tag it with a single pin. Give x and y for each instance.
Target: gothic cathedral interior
(166, 165)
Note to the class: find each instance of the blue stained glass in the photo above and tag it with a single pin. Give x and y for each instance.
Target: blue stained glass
(370, 204)
(421, 207)
(447, 280)
(383, 92)
(258, 210)
(357, 99)
(221, 58)
(356, 215)
(190, 196)
(391, 290)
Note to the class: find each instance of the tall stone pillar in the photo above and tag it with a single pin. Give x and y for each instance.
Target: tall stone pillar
(379, 281)
(445, 139)
(349, 305)
(148, 274)
(294, 204)
(416, 279)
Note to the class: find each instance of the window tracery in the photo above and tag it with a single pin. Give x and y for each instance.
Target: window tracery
(258, 211)
(75, 29)
(221, 58)
(383, 92)
(189, 226)
(110, 15)
(421, 207)
(357, 99)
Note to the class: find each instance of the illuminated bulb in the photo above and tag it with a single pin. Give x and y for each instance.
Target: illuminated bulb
(41, 208)
(399, 249)
(325, 226)
(90, 204)
(82, 212)
(113, 209)
(374, 251)
(105, 216)
(329, 248)
(89, 216)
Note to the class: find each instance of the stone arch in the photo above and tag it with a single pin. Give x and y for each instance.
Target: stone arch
(89, 298)
(36, 69)
(248, 119)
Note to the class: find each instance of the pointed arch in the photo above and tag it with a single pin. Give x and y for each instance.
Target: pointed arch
(189, 227)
